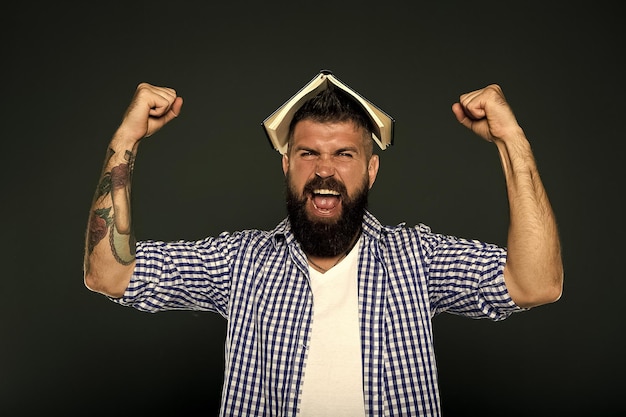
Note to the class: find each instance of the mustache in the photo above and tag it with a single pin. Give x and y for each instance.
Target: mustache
(326, 183)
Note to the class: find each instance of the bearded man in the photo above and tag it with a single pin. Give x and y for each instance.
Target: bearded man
(329, 313)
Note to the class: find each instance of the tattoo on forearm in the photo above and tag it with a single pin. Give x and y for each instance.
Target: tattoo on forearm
(119, 176)
(122, 246)
(99, 223)
(104, 186)
(130, 157)
(114, 219)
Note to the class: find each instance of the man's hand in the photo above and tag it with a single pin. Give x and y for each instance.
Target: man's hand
(152, 108)
(487, 113)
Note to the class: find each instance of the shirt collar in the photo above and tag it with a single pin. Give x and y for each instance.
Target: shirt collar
(372, 229)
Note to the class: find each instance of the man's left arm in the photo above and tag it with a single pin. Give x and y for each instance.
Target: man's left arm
(534, 268)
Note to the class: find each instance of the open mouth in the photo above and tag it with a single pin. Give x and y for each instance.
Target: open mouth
(325, 200)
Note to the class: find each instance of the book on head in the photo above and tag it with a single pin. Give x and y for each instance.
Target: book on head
(276, 125)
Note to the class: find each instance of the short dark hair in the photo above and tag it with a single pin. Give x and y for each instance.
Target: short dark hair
(332, 105)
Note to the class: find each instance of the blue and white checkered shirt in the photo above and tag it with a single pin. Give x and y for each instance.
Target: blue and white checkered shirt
(258, 280)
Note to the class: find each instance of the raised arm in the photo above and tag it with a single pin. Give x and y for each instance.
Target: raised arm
(534, 269)
(110, 243)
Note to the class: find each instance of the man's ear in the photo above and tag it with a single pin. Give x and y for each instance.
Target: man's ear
(372, 168)
(285, 162)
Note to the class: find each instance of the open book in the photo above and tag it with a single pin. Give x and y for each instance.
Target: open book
(277, 124)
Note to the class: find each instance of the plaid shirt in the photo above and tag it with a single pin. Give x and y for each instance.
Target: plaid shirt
(258, 280)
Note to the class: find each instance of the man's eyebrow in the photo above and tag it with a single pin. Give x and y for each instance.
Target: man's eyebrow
(347, 149)
(304, 148)
(336, 151)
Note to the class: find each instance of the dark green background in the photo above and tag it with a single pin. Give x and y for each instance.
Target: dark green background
(70, 69)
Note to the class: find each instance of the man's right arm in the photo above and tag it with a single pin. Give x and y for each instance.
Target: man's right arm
(110, 243)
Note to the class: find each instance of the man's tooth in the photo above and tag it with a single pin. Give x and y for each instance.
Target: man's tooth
(326, 191)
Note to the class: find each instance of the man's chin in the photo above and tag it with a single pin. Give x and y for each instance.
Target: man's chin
(322, 221)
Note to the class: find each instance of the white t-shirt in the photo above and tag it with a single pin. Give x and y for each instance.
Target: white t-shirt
(333, 376)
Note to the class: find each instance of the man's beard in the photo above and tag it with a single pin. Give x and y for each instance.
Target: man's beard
(326, 237)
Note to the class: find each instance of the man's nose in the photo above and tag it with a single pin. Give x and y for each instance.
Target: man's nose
(325, 167)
